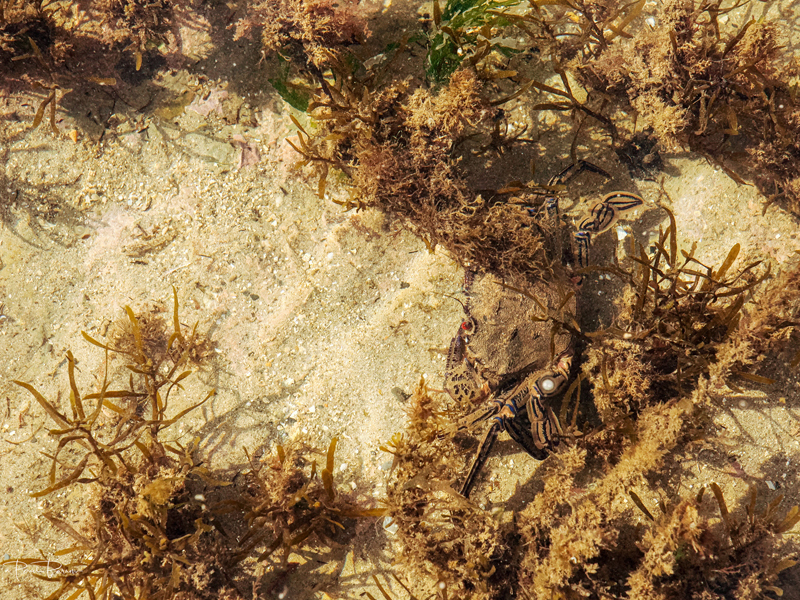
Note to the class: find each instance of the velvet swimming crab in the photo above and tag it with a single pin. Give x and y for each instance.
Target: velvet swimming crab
(513, 351)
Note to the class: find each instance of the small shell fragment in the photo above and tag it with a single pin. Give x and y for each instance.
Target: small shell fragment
(389, 525)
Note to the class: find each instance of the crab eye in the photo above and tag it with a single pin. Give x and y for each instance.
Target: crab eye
(547, 384)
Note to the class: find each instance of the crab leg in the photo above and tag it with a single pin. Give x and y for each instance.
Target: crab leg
(504, 411)
(539, 436)
(480, 458)
(544, 424)
(482, 414)
(461, 379)
(506, 415)
(528, 395)
(606, 213)
(518, 433)
(460, 376)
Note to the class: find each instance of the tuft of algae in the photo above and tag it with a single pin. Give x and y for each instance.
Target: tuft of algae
(159, 523)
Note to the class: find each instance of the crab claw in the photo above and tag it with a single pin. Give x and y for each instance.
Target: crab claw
(603, 216)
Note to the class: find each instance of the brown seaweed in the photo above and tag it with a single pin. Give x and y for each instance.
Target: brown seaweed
(287, 503)
(156, 525)
(146, 536)
(723, 90)
(687, 554)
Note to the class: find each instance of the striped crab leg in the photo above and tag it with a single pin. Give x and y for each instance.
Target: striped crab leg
(527, 396)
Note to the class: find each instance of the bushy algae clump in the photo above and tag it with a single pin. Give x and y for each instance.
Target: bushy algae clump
(146, 535)
(52, 49)
(701, 77)
(442, 535)
(684, 332)
(160, 524)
